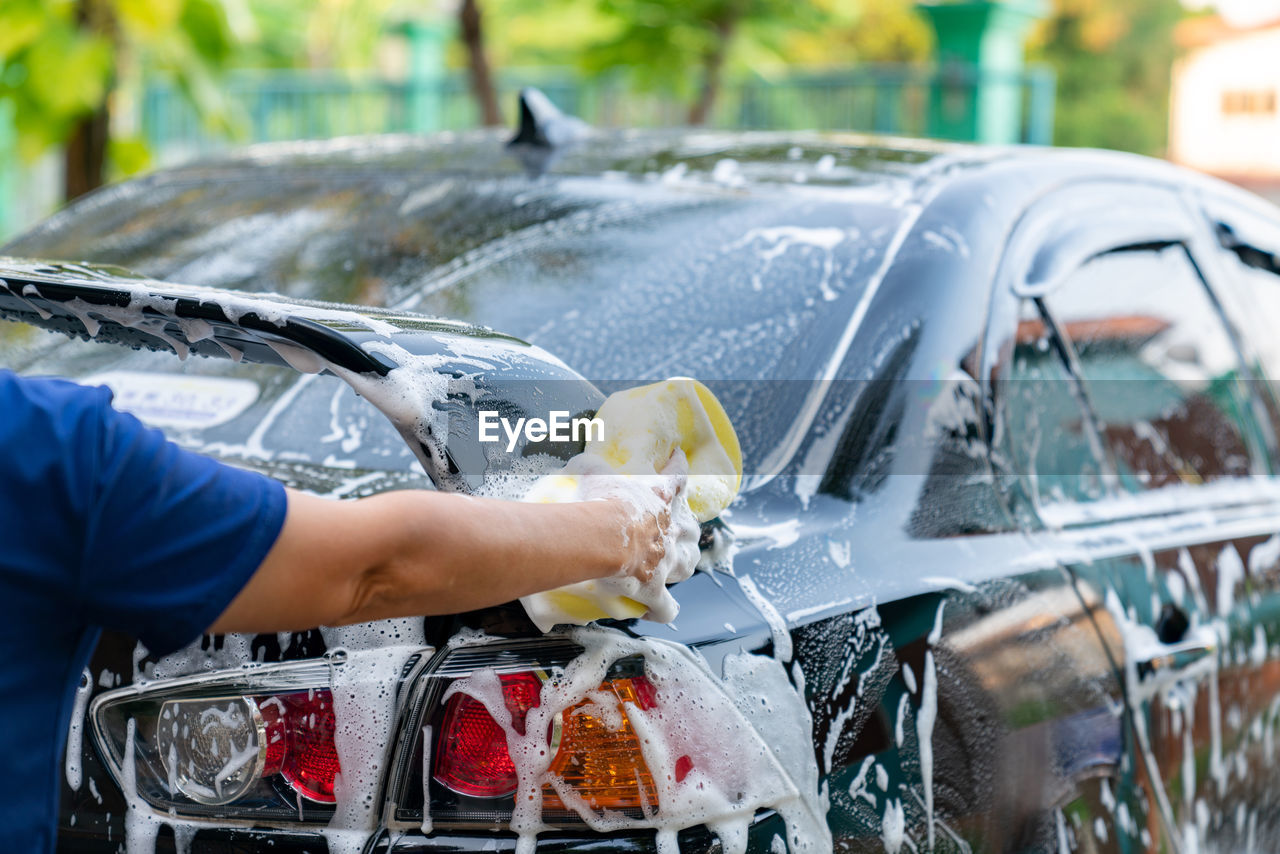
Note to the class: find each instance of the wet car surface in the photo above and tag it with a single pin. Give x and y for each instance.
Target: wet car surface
(1007, 549)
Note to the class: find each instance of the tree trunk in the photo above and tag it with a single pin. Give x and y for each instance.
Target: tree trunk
(713, 66)
(85, 155)
(470, 26)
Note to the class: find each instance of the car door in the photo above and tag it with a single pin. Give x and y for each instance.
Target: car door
(1240, 261)
(966, 703)
(1154, 493)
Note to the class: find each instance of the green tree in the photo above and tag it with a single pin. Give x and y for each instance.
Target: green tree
(62, 61)
(316, 34)
(667, 45)
(471, 31)
(865, 31)
(684, 46)
(1113, 59)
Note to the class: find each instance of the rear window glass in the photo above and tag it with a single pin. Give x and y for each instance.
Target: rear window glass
(625, 280)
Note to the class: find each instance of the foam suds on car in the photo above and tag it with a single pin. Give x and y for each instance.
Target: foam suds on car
(75, 736)
(141, 823)
(363, 689)
(750, 737)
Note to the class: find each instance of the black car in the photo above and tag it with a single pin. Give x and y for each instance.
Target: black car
(1004, 574)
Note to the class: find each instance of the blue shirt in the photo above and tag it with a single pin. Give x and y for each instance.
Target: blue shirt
(103, 524)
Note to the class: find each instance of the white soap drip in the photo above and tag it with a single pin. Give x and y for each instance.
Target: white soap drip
(141, 824)
(925, 718)
(893, 827)
(75, 733)
(777, 625)
(363, 689)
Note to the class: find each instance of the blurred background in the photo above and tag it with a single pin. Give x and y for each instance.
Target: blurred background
(92, 91)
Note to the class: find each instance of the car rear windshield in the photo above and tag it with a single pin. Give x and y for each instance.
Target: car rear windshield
(626, 279)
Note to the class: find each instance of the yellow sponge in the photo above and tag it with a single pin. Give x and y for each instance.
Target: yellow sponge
(643, 426)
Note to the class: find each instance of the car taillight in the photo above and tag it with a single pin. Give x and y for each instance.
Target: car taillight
(594, 757)
(259, 742)
(472, 758)
(300, 743)
(597, 753)
(215, 749)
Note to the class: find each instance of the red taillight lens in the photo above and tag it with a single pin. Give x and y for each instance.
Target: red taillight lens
(473, 758)
(598, 757)
(300, 746)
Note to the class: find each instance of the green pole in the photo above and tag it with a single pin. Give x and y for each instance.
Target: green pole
(977, 92)
(427, 40)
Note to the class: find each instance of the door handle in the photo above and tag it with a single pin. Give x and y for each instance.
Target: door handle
(1159, 665)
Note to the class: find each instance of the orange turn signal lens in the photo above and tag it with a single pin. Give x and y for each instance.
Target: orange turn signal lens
(599, 755)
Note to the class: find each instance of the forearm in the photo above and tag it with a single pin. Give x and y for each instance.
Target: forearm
(418, 553)
(455, 554)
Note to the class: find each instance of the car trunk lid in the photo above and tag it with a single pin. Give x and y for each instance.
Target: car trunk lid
(432, 378)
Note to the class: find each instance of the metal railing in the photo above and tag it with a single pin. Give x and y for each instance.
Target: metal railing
(891, 99)
(953, 102)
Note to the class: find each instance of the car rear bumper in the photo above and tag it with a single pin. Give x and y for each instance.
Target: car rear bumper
(244, 841)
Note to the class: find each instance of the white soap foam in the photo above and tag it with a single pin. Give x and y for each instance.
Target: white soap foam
(1230, 574)
(893, 827)
(141, 824)
(858, 787)
(31, 291)
(777, 241)
(782, 648)
(748, 754)
(840, 552)
(363, 687)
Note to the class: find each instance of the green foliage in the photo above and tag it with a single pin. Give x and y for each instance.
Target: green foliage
(666, 44)
(553, 33)
(60, 60)
(323, 34)
(129, 155)
(51, 70)
(866, 31)
(1113, 59)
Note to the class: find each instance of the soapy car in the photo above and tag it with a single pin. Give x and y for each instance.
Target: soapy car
(1003, 573)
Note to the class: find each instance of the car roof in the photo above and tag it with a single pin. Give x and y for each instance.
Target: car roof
(895, 171)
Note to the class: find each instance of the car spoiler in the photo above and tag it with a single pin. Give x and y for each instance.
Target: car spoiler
(431, 377)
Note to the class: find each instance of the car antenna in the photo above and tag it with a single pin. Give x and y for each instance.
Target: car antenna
(545, 132)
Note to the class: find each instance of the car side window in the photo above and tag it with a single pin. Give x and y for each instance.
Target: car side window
(1252, 276)
(1046, 433)
(1158, 367)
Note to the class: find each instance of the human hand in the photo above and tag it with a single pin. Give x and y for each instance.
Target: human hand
(640, 527)
(660, 533)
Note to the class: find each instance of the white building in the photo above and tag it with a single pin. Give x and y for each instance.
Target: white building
(1223, 116)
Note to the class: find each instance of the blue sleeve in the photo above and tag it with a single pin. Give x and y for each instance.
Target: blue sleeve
(170, 537)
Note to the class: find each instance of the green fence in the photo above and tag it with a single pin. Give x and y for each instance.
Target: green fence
(891, 99)
(287, 105)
